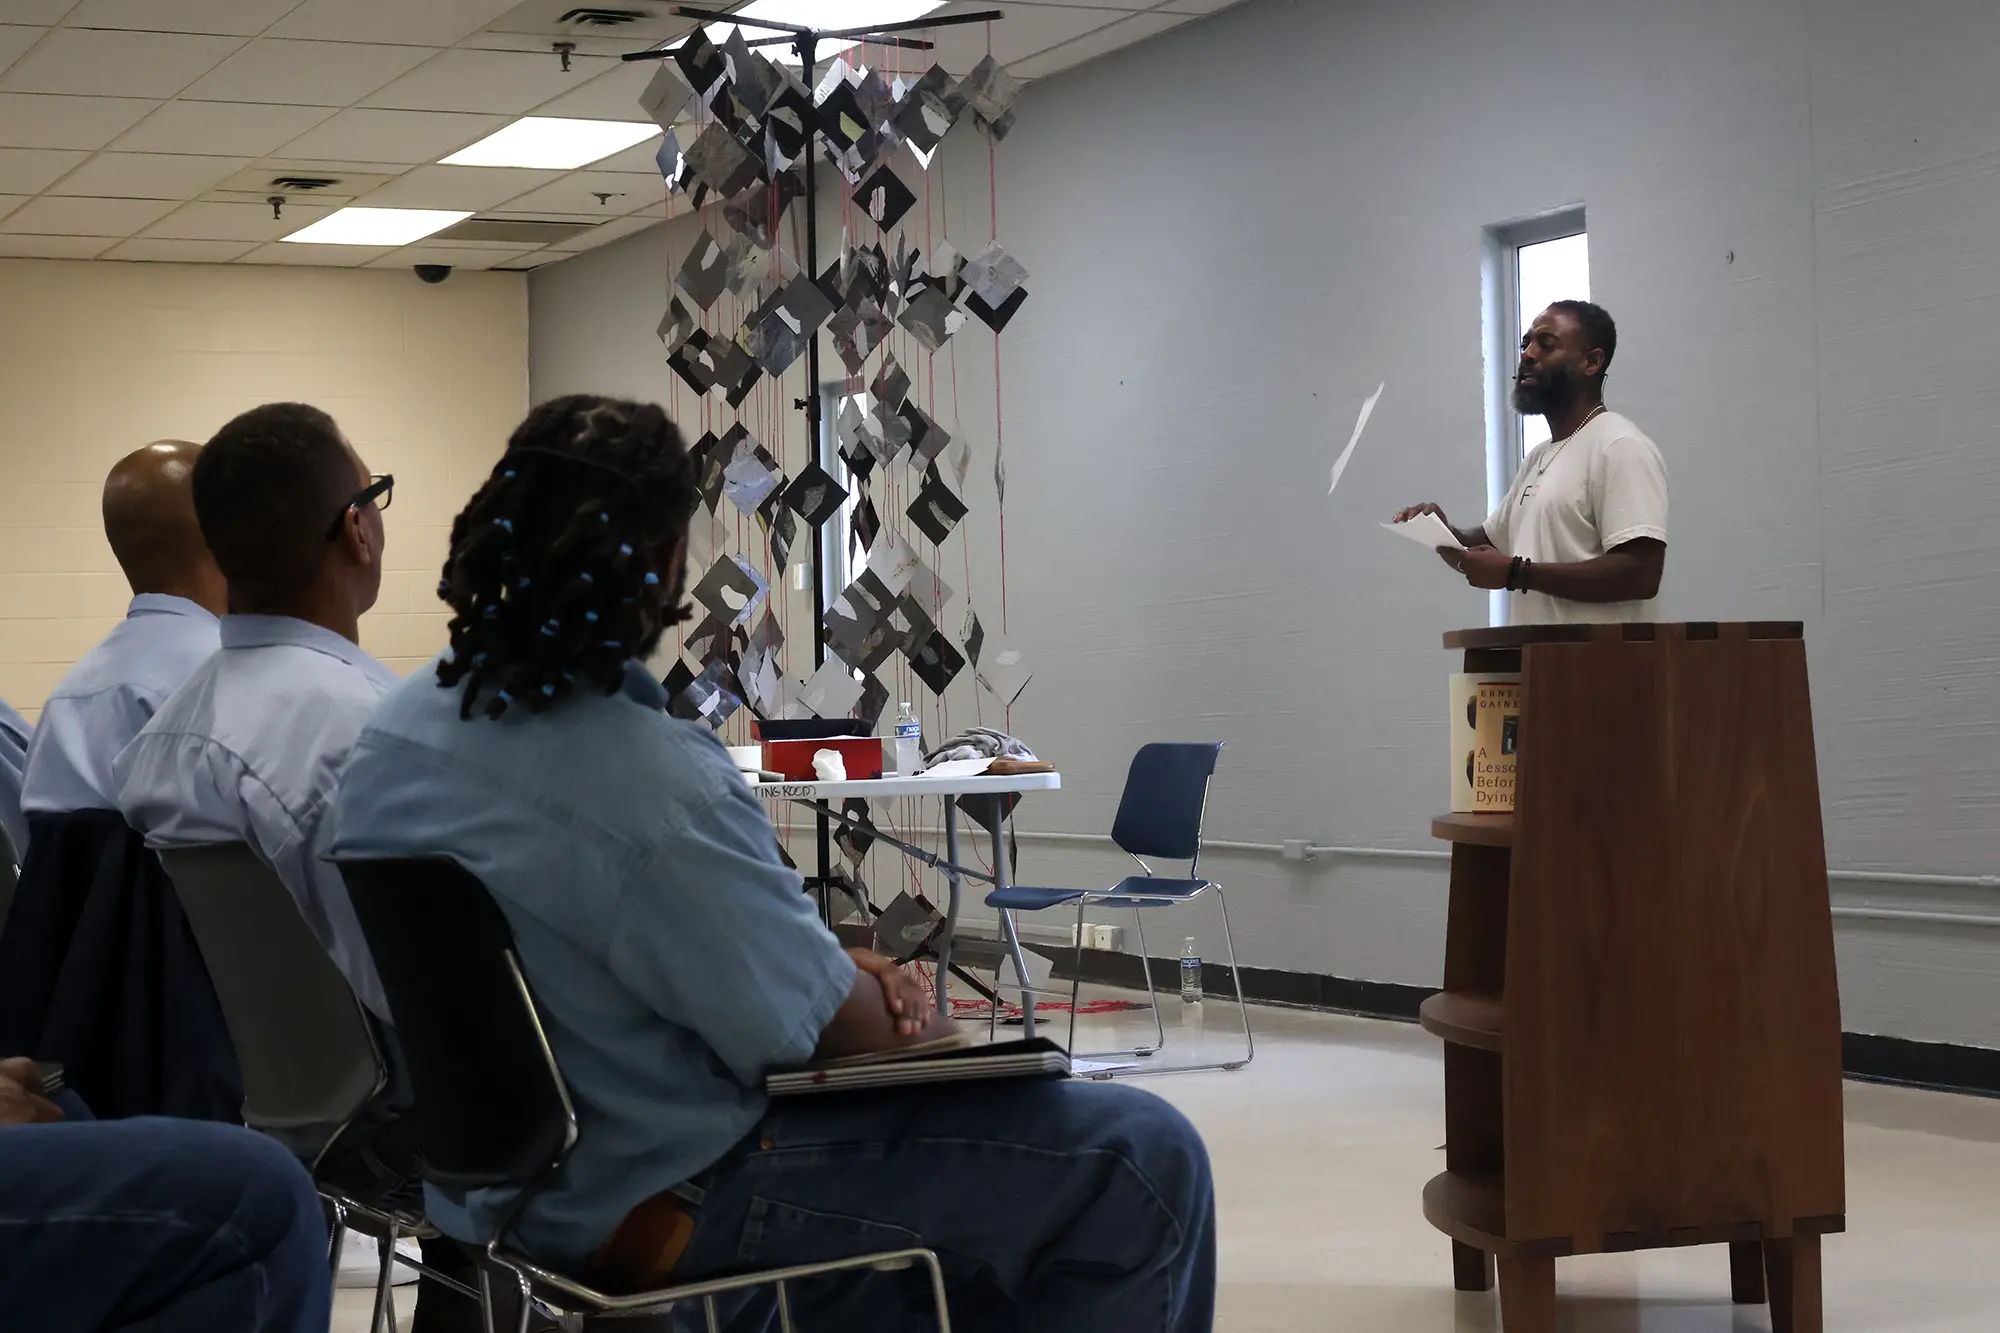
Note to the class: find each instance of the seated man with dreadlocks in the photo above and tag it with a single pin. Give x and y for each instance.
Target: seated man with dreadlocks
(677, 962)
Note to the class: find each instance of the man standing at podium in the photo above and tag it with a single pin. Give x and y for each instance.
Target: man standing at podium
(1582, 534)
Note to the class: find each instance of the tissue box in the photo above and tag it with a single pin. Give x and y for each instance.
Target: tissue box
(794, 759)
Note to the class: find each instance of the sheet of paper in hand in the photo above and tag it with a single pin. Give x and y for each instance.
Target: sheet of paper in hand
(1429, 529)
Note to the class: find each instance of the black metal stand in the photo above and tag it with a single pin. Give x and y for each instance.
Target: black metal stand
(806, 42)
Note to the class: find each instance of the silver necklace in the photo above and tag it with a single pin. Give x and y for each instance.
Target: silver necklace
(1549, 458)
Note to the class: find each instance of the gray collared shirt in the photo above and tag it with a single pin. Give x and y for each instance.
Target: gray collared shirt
(96, 710)
(250, 750)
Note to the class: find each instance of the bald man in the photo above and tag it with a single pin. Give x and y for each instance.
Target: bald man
(168, 631)
(98, 969)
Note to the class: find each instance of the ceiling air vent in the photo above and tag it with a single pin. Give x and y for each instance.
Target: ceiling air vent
(512, 229)
(592, 16)
(304, 184)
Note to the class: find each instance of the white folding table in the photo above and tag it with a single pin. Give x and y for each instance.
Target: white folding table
(987, 795)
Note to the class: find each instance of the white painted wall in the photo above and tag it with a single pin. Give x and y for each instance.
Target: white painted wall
(1236, 230)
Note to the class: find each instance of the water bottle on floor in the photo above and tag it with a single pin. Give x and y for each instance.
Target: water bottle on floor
(1190, 973)
(909, 743)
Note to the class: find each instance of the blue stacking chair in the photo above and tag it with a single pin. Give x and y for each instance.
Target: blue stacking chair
(1160, 816)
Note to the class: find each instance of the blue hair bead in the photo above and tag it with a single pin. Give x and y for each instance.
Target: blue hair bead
(652, 580)
(624, 548)
(549, 690)
(506, 523)
(508, 473)
(525, 581)
(505, 695)
(614, 643)
(444, 587)
(591, 616)
(548, 631)
(603, 518)
(479, 659)
(586, 578)
(492, 610)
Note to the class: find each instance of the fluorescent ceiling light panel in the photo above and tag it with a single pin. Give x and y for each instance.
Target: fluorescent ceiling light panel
(376, 226)
(825, 15)
(553, 143)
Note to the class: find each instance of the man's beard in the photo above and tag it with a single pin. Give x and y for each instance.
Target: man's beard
(1552, 391)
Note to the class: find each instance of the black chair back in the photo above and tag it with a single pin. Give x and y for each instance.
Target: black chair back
(304, 1043)
(489, 1099)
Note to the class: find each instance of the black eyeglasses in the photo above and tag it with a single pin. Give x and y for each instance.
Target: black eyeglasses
(377, 494)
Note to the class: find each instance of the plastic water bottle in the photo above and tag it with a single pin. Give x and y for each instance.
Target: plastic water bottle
(1190, 973)
(909, 743)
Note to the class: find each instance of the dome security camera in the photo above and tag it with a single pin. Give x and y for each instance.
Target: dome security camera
(433, 273)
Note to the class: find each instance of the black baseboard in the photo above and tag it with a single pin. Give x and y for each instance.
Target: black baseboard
(1919, 1064)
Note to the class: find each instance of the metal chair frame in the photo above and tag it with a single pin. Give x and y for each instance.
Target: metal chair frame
(571, 1297)
(1138, 903)
(384, 1226)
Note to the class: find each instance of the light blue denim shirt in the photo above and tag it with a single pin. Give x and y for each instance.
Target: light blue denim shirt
(673, 955)
(14, 734)
(96, 710)
(250, 750)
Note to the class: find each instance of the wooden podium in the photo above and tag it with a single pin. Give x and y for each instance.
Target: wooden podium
(1640, 1012)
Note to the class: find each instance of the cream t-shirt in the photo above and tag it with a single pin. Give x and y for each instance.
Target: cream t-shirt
(1576, 499)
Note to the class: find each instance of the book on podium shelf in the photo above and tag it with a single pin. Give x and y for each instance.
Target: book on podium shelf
(952, 1059)
(1485, 721)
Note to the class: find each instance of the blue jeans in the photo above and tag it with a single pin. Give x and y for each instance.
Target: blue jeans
(1054, 1207)
(158, 1226)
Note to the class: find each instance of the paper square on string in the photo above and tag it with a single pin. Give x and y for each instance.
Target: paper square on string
(884, 198)
(892, 562)
(990, 92)
(927, 438)
(930, 108)
(936, 511)
(857, 332)
(1000, 668)
(732, 590)
(713, 697)
(891, 384)
(720, 161)
(755, 215)
(705, 273)
(781, 529)
(994, 274)
(996, 318)
(814, 495)
(751, 474)
(930, 317)
(832, 692)
(936, 663)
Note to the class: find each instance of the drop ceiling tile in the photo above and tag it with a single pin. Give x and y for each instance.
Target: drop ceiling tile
(1026, 31)
(319, 256)
(458, 256)
(104, 63)
(54, 247)
(16, 38)
(612, 95)
(505, 81)
(366, 135)
(543, 18)
(37, 120)
(240, 18)
(37, 11)
(32, 170)
(50, 216)
(147, 176)
(641, 158)
(305, 73)
(179, 252)
(232, 128)
(209, 221)
(458, 187)
(10, 202)
(577, 193)
(606, 232)
(431, 23)
(1198, 8)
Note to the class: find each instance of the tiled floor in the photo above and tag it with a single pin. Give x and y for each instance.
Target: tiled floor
(1322, 1146)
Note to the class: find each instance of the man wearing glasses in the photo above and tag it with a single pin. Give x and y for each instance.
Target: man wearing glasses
(251, 748)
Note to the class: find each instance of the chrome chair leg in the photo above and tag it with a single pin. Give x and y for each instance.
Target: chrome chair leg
(385, 1289)
(1236, 974)
(708, 1306)
(1076, 981)
(1146, 962)
(527, 1302)
(785, 1324)
(336, 1235)
(486, 1299)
